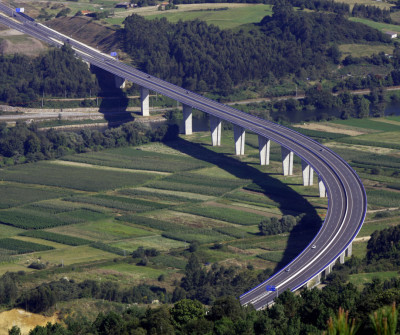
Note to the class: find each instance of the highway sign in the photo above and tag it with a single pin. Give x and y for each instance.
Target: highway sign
(114, 54)
(19, 10)
(270, 288)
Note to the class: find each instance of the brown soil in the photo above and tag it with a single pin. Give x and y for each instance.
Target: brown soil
(83, 29)
(24, 320)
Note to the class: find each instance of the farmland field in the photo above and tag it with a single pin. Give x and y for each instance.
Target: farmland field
(85, 179)
(94, 217)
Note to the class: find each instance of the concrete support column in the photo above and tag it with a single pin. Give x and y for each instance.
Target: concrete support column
(349, 250)
(119, 82)
(308, 173)
(322, 188)
(215, 127)
(328, 270)
(341, 258)
(314, 281)
(187, 119)
(287, 161)
(264, 148)
(239, 134)
(144, 99)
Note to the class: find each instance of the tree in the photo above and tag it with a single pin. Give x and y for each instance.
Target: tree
(15, 330)
(186, 310)
(384, 321)
(340, 324)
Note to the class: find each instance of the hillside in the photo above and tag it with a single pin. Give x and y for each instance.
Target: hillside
(87, 31)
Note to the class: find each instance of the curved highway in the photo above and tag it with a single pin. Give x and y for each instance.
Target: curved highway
(347, 201)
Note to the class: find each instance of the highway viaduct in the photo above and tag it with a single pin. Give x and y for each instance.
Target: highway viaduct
(347, 201)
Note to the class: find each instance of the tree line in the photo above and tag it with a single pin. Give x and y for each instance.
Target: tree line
(27, 143)
(204, 58)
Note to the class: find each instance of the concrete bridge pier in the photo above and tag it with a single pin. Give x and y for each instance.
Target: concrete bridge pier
(341, 257)
(144, 101)
(322, 188)
(287, 161)
(264, 145)
(349, 250)
(314, 281)
(239, 134)
(328, 270)
(119, 82)
(215, 127)
(308, 173)
(187, 119)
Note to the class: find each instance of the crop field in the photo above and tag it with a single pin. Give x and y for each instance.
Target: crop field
(103, 230)
(177, 231)
(132, 158)
(12, 195)
(84, 179)
(59, 238)
(225, 214)
(79, 214)
(196, 183)
(156, 196)
(121, 203)
(22, 247)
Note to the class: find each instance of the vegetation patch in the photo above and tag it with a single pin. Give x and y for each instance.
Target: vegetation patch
(132, 158)
(122, 203)
(79, 178)
(22, 247)
(226, 214)
(12, 195)
(383, 198)
(59, 238)
(155, 196)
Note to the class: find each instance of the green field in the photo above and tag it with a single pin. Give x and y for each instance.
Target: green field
(377, 25)
(364, 50)
(161, 197)
(222, 16)
(82, 178)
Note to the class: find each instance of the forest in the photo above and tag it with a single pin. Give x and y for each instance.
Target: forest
(336, 305)
(57, 73)
(205, 58)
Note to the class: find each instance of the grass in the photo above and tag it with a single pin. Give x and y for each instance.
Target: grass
(369, 123)
(79, 178)
(229, 18)
(383, 198)
(71, 255)
(225, 214)
(360, 279)
(364, 50)
(381, 5)
(377, 25)
(133, 158)
(104, 230)
(158, 242)
(370, 226)
(138, 272)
